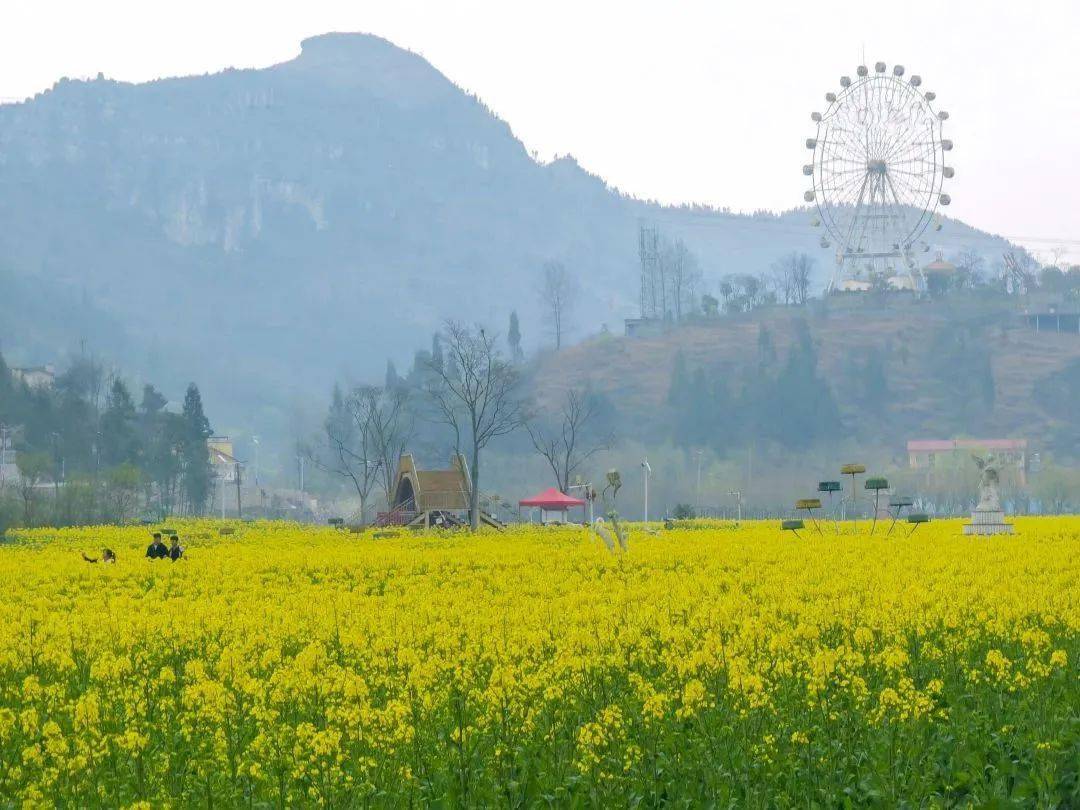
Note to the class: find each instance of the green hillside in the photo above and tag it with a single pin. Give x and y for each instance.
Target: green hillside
(966, 366)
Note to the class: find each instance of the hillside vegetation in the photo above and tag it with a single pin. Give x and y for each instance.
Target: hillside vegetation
(965, 366)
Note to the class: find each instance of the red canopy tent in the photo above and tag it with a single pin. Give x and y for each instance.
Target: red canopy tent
(551, 500)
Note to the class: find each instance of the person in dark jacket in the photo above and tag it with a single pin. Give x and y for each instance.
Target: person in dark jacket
(107, 556)
(157, 550)
(176, 551)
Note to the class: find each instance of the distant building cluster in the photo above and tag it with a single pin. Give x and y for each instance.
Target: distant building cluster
(929, 454)
(35, 376)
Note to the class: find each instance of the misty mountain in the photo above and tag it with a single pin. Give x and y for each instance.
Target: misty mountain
(266, 231)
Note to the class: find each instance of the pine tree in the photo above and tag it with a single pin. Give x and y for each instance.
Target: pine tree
(680, 380)
(339, 423)
(152, 400)
(874, 382)
(393, 381)
(809, 409)
(119, 440)
(5, 378)
(986, 380)
(766, 348)
(198, 425)
(513, 337)
(436, 352)
(7, 393)
(196, 455)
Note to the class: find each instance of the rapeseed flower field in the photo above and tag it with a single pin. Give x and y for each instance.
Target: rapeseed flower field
(280, 665)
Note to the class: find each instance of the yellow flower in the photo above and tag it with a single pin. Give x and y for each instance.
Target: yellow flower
(304, 665)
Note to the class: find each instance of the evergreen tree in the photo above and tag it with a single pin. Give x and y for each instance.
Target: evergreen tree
(119, 439)
(165, 440)
(875, 383)
(690, 398)
(152, 400)
(5, 381)
(197, 424)
(986, 379)
(697, 423)
(196, 455)
(436, 352)
(679, 388)
(723, 422)
(339, 422)
(419, 372)
(766, 348)
(393, 381)
(803, 407)
(513, 337)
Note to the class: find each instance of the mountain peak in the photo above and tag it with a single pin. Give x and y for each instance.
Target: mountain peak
(346, 45)
(353, 60)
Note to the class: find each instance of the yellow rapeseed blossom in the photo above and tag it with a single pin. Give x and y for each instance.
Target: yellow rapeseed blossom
(278, 664)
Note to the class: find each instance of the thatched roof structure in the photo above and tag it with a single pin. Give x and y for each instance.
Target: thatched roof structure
(417, 490)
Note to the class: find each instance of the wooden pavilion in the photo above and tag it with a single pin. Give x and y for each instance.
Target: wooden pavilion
(427, 498)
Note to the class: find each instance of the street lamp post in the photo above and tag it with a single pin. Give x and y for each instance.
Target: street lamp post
(3, 452)
(255, 441)
(588, 493)
(737, 495)
(697, 490)
(646, 472)
(57, 474)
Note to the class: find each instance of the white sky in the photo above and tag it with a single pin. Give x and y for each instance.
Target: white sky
(677, 101)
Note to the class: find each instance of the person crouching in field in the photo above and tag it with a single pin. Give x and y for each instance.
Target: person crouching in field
(157, 550)
(176, 551)
(107, 556)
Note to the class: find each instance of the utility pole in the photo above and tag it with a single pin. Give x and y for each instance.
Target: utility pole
(300, 467)
(255, 441)
(239, 506)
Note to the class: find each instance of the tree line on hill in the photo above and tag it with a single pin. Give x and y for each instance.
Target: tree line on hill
(81, 450)
(786, 401)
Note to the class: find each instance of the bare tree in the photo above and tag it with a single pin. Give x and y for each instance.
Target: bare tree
(744, 292)
(346, 447)
(791, 276)
(969, 264)
(122, 487)
(33, 469)
(682, 275)
(385, 417)
(557, 292)
(476, 394)
(780, 279)
(567, 446)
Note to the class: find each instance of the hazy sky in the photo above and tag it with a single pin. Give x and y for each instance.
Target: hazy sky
(677, 101)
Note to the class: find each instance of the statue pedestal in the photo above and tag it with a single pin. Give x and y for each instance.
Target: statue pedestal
(988, 521)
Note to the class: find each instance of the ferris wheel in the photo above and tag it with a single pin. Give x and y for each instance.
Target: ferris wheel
(878, 172)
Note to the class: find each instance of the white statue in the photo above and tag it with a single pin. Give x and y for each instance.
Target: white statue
(989, 484)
